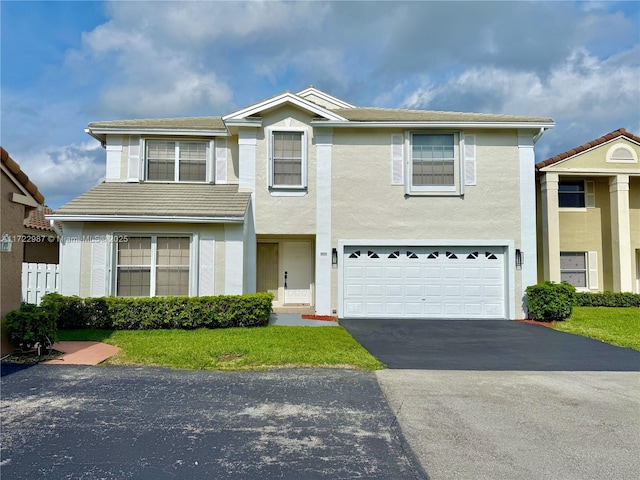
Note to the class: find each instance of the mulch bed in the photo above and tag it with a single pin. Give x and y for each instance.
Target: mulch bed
(537, 322)
(30, 357)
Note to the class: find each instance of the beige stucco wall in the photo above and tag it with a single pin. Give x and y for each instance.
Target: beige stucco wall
(634, 223)
(12, 216)
(283, 215)
(98, 230)
(41, 252)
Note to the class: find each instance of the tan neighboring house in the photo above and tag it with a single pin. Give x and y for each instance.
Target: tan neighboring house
(42, 240)
(334, 208)
(19, 196)
(589, 215)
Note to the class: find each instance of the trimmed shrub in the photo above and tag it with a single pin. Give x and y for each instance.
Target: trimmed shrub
(31, 324)
(607, 299)
(550, 301)
(123, 313)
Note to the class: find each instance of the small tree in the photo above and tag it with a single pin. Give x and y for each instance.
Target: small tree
(550, 301)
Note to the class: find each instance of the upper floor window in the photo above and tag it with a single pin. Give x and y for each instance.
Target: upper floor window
(433, 162)
(176, 161)
(576, 193)
(288, 162)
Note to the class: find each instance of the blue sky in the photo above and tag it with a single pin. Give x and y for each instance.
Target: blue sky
(65, 64)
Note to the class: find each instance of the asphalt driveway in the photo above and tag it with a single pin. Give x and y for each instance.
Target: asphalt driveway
(119, 422)
(485, 345)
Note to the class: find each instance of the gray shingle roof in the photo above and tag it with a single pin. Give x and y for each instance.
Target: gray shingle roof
(181, 123)
(160, 199)
(396, 115)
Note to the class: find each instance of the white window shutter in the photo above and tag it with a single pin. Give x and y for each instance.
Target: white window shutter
(592, 264)
(221, 160)
(99, 269)
(206, 267)
(114, 157)
(397, 160)
(590, 193)
(470, 160)
(134, 158)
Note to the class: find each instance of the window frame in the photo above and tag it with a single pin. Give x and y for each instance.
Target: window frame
(153, 267)
(585, 256)
(293, 189)
(209, 159)
(455, 189)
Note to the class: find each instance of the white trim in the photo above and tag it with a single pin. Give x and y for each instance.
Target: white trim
(437, 190)
(247, 141)
(595, 172)
(469, 154)
(615, 139)
(634, 156)
(144, 219)
(323, 266)
(114, 157)
(528, 230)
(508, 245)
(99, 279)
(174, 132)
(134, 159)
(325, 96)
(592, 271)
(221, 165)
(176, 159)
(428, 124)
(273, 102)
(397, 159)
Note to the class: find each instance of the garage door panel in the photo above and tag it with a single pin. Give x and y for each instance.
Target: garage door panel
(442, 282)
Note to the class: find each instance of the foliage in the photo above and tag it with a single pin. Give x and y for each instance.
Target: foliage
(31, 324)
(234, 348)
(550, 301)
(123, 313)
(618, 326)
(607, 299)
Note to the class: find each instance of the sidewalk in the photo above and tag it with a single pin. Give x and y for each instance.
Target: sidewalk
(82, 353)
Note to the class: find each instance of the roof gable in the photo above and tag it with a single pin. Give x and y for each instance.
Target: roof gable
(323, 99)
(596, 154)
(19, 178)
(274, 102)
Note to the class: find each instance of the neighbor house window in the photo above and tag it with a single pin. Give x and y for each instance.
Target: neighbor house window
(153, 265)
(176, 161)
(571, 194)
(288, 159)
(432, 161)
(573, 268)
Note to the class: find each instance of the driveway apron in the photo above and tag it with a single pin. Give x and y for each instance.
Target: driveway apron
(124, 422)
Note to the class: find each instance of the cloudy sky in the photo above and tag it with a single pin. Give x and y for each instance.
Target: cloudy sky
(65, 64)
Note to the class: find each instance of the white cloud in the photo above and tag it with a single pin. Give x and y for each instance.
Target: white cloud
(64, 172)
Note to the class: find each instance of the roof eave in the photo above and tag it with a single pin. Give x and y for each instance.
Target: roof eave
(142, 218)
(434, 124)
(100, 133)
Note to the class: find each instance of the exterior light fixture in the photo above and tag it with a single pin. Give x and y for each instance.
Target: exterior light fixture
(334, 257)
(519, 259)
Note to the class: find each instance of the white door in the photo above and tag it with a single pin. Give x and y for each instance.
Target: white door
(424, 282)
(297, 262)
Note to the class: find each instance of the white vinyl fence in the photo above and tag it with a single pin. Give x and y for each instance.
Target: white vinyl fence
(38, 279)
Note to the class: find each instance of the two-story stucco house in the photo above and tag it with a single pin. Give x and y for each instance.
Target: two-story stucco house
(359, 212)
(589, 215)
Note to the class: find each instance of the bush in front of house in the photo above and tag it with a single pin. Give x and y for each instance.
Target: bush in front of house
(550, 301)
(29, 325)
(607, 299)
(123, 313)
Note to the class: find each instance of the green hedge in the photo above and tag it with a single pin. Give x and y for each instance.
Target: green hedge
(29, 325)
(120, 313)
(550, 301)
(607, 299)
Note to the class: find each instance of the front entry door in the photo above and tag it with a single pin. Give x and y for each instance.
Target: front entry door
(297, 261)
(267, 271)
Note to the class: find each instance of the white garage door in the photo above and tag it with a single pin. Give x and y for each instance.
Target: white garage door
(424, 282)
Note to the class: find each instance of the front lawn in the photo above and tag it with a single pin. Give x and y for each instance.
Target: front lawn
(618, 326)
(233, 348)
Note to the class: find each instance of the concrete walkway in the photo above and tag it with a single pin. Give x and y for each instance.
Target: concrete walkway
(82, 353)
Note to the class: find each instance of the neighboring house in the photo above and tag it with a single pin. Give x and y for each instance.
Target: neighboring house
(41, 239)
(19, 196)
(589, 215)
(359, 212)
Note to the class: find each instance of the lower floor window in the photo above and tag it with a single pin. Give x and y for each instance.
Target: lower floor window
(573, 268)
(153, 265)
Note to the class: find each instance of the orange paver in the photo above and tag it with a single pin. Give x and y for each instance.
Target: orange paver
(82, 353)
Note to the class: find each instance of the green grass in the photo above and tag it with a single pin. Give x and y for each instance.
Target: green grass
(618, 326)
(233, 348)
